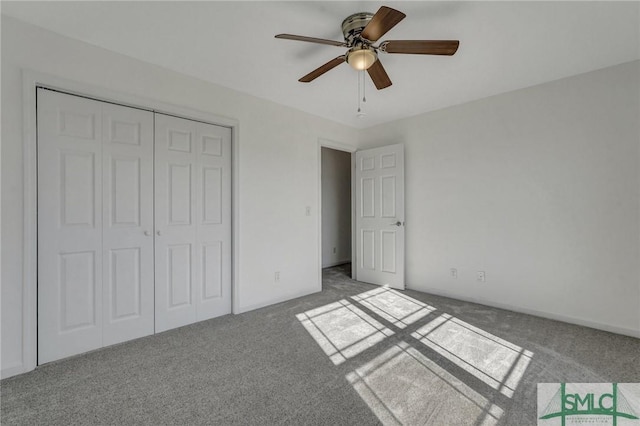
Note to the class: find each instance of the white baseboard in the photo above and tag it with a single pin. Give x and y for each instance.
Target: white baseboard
(13, 370)
(243, 309)
(549, 315)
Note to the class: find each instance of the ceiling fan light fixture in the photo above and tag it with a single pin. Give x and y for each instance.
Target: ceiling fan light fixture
(361, 58)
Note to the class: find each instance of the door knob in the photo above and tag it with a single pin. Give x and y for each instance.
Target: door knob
(159, 233)
(398, 223)
(147, 233)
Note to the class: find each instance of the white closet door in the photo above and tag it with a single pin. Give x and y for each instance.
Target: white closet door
(69, 225)
(95, 189)
(127, 223)
(193, 221)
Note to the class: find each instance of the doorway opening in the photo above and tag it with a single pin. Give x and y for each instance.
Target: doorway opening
(336, 204)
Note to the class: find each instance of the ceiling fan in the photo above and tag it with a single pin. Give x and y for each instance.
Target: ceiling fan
(361, 31)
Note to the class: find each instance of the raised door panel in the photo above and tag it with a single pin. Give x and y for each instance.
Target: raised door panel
(125, 284)
(388, 254)
(388, 197)
(213, 145)
(367, 163)
(125, 192)
(212, 190)
(179, 282)
(124, 130)
(179, 139)
(128, 274)
(69, 225)
(367, 249)
(77, 188)
(78, 301)
(367, 199)
(212, 268)
(76, 124)
(179, 194)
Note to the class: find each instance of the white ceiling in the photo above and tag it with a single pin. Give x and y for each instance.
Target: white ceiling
(503, 46)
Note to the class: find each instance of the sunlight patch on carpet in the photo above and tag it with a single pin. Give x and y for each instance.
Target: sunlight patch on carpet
(496, 362)
(342, 330)
(395, 307)
(402, 386)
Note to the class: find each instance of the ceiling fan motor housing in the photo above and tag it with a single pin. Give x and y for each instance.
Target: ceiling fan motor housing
(353, 25)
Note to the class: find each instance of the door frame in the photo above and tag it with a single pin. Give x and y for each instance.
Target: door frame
(30, 81)
(351, 149)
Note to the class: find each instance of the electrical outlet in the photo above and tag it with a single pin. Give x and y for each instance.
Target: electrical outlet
(334, 250)
(481, 276)
(454, 273)
(276, 276)
(308, 211)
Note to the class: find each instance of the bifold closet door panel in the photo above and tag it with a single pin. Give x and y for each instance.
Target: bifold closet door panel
(213, 184)
(95, 189)
(128, 281)
(69, 225)
(175, 220)
(193, 221)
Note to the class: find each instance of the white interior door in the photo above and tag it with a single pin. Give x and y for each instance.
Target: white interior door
(193, 221)
(95, 276)
(380, 216)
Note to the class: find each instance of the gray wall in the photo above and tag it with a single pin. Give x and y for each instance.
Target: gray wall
(538, 187)
(336, 207)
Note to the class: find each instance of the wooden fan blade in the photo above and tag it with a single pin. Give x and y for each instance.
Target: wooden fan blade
(384, 19)
(323, 69)
(421, 47)
(311, 39)
(379, 75)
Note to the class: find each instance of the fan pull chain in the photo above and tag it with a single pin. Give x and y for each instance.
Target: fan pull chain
(359, 110)
(364, 84)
